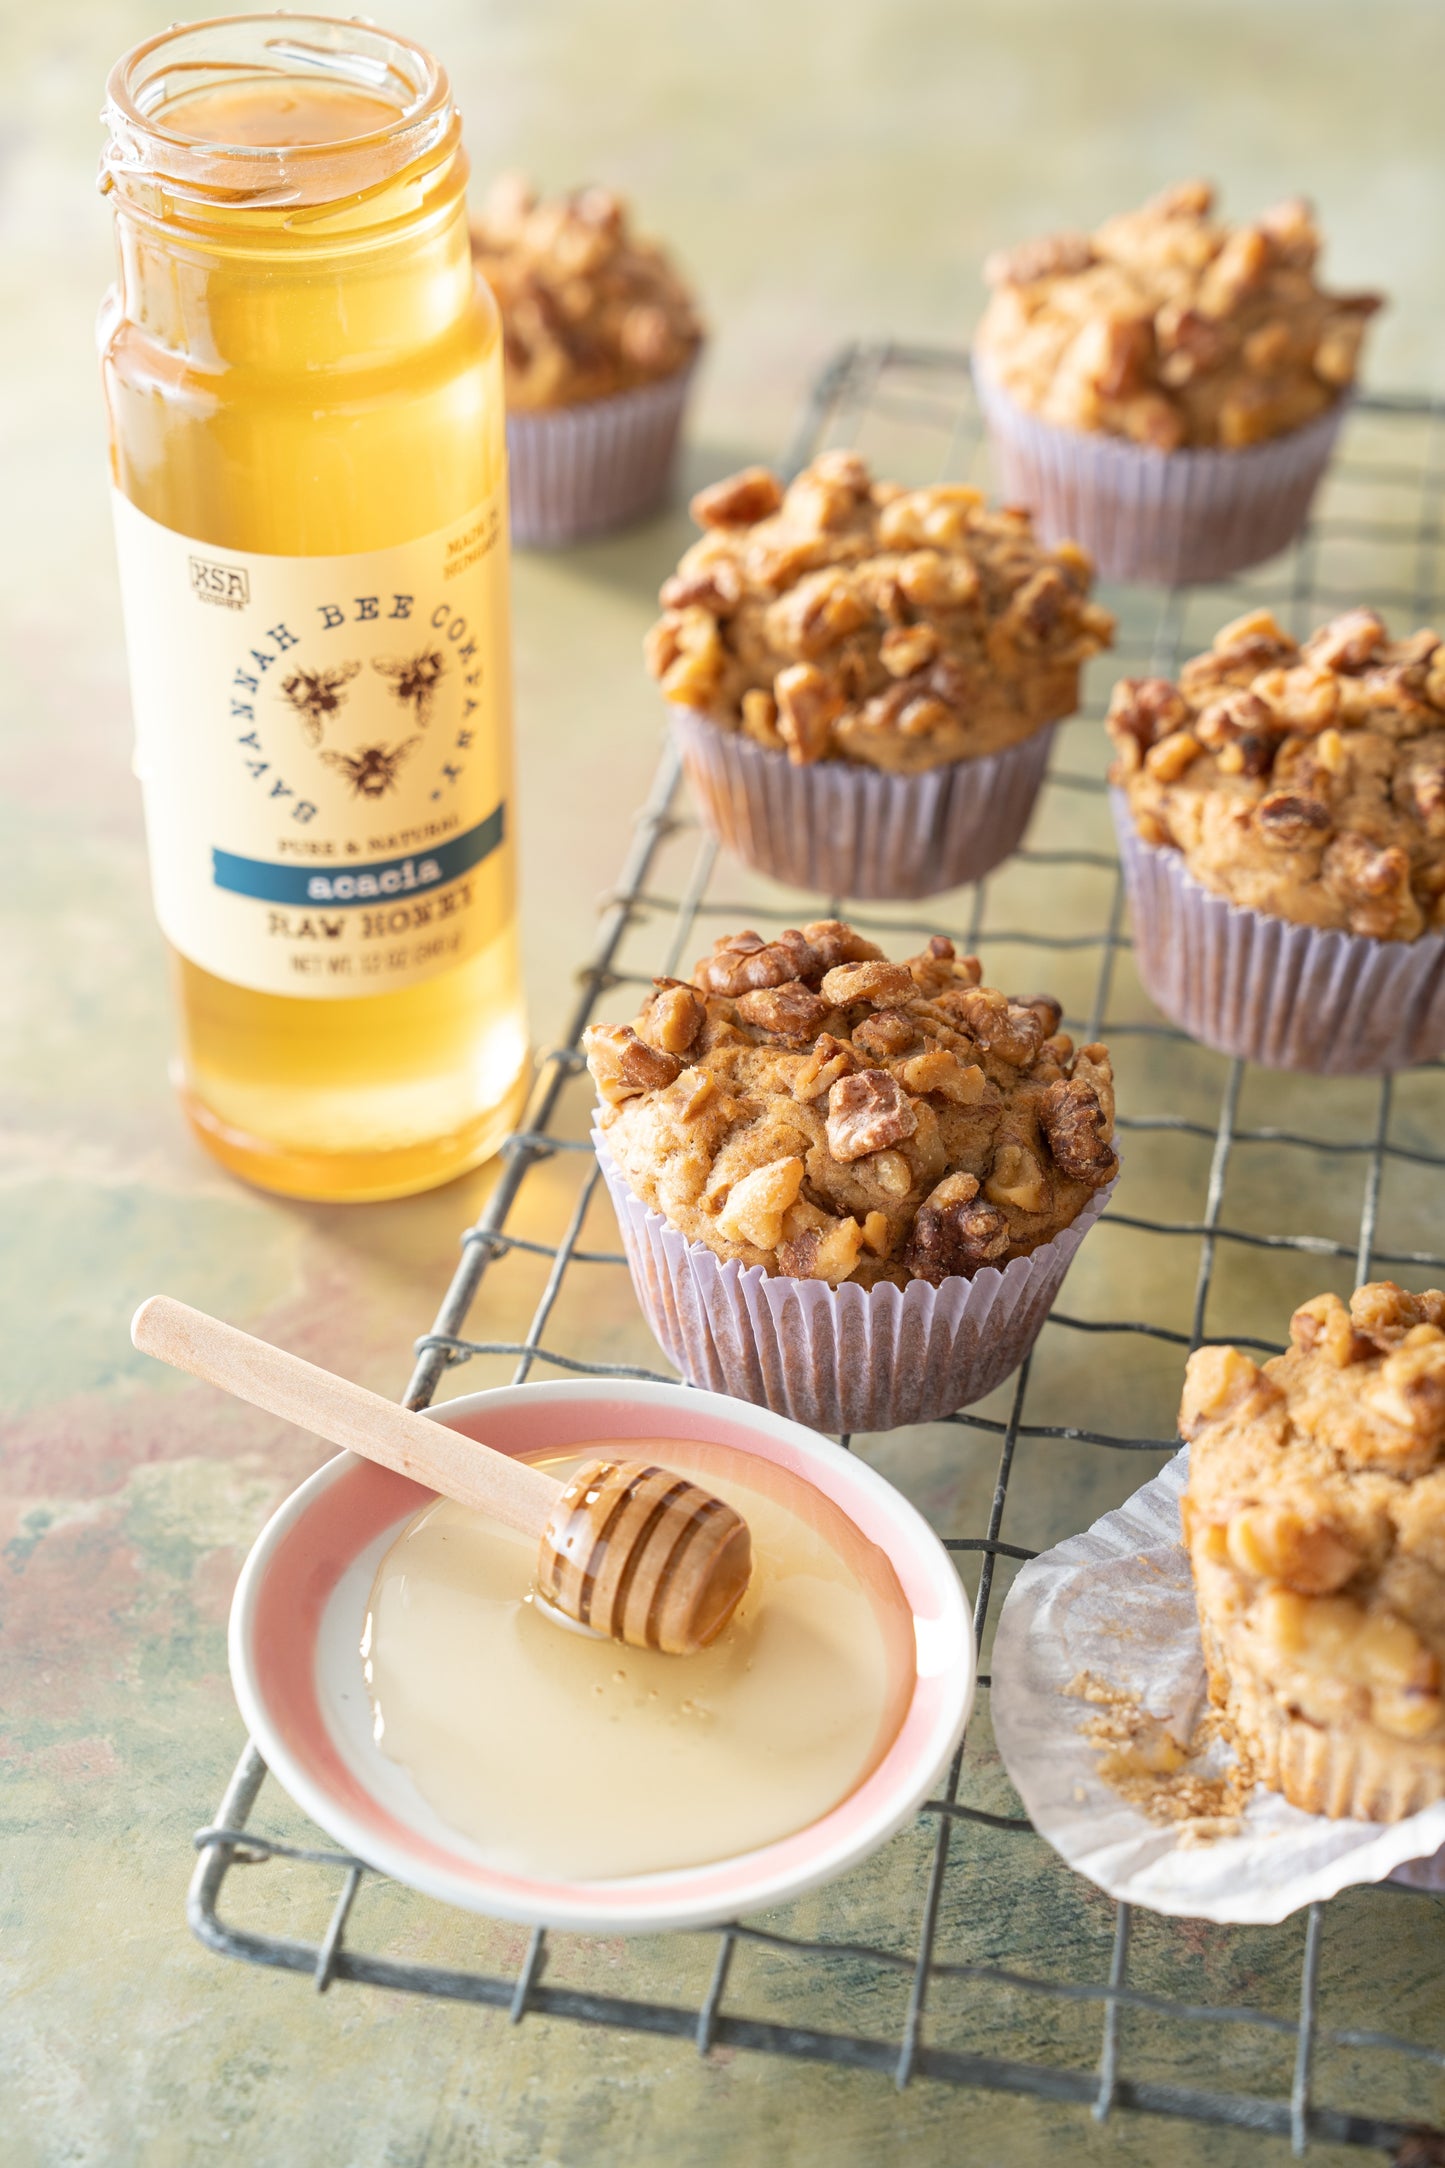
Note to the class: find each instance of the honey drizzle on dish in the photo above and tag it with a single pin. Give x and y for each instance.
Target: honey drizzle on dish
(558, 1754)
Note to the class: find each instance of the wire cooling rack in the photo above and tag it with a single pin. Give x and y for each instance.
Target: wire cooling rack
(973, 1957)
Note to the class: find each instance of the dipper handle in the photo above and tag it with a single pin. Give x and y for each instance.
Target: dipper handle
(519, 1496)
(624, 1548)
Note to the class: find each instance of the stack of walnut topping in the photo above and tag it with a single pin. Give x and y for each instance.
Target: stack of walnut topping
(1171, 328)
(1309, 781)
(1315, 1519)
(587, 308)
(806, 1105)
(848, 619)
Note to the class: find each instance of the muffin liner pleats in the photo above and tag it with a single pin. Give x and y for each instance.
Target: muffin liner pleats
(1118, 1602)
(1164, 517)
(839, 1359)
(583, 470)
(1287, 996)
(845, 829)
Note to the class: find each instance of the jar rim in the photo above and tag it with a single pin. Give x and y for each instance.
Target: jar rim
(351, 53)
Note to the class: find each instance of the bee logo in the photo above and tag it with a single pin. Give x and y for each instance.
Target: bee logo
(372, 770)
(413, 680)
(317, 695)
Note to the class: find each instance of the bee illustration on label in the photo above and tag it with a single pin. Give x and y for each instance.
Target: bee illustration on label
(317, 695)
(372, 769)
(413, 679)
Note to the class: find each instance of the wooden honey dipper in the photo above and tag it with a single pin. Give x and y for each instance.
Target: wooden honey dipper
(624, 1549)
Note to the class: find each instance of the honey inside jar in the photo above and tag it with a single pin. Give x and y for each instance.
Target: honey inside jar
(303, 380)
(562, 1755)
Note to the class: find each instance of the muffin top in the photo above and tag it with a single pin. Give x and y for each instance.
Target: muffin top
(1304, 781)
(804, 1105)
(848, 619)
(1315, 1511)
(587, 308)
(1172, 328)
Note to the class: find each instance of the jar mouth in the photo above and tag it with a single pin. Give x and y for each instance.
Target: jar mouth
(192, 61)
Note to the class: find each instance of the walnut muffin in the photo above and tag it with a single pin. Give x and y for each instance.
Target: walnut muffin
(588, 308)
(843, 619)
(805, 1105)
(1315, 1520)
(1171, 328)
(1304, 781)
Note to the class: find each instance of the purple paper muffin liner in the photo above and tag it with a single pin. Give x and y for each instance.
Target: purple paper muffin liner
(582, 470)
(1166, 517)
(1287, 996)
(837, 1358)
(850, 830)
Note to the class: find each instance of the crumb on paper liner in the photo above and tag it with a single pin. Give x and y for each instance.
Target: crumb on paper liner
(1098, 1660)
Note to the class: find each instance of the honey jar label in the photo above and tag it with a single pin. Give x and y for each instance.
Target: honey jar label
(323, 746)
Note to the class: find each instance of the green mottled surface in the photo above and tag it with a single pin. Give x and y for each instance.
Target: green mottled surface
(827, 171)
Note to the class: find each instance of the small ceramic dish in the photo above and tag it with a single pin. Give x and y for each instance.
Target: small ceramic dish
(301, 1601)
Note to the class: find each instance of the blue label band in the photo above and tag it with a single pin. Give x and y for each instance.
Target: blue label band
(371, 883)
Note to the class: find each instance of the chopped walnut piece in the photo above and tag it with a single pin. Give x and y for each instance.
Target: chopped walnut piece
(742, 961)
(789, 1011)
(1347, 643)
(673, 1017)
(830, 1059)
(880, 982)
(1289, 820)
(624, 1064)
(741, 501)
(1325, 1324)
(1222, 1385)
(955, 1233)
(1077, 1129)
(809, 703)
(754, 1207)
(941, 1071)
(867, 1111)
(1017, 1179)
(885, 1033)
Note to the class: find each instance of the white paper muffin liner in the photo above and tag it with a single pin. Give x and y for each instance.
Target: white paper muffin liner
(583, 470)
(850, 830)
(1288, 996)
(1166, 517)
(1119, 1601)
(837, 1358)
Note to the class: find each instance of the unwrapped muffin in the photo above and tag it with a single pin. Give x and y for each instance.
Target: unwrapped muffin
(1168, 387)
(1315, 1521)
(895, 1142)
(600, 336)
(1304, 786)
(825, 639)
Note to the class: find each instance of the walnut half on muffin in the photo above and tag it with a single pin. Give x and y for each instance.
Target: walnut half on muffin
(847, 619)
(805, 1105)
(1315, 1520)
(1170, 328)
(1304, 781)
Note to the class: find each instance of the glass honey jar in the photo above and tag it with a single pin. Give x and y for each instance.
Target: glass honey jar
(304, 386)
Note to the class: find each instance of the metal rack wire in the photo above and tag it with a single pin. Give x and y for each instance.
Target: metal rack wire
(1378, 539)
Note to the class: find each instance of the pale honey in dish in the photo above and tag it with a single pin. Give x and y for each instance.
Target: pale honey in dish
(570, 1757)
